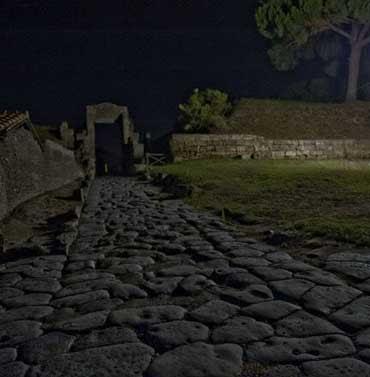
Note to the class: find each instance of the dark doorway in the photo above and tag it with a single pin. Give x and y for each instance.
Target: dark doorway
(109, 149)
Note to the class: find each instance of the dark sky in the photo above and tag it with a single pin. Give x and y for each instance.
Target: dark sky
(58, 56)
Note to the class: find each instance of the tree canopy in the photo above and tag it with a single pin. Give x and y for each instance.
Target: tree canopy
(291, 24)
(205, 110)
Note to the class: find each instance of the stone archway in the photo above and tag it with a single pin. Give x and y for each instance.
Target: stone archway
(109, 114)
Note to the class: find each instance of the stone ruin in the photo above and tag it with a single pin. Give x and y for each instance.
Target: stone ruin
(109, 145)
(28, 166)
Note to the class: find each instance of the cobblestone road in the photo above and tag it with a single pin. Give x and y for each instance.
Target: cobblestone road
(153, 288)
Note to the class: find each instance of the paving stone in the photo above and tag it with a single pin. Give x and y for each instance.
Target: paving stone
(174, 260)
(142, 261)
(38, 273)
(365, 355)
(46, 260)
(7, 355)
(16, 332)
(327, 299)
(319, 277)
(60, 315)
(105, 337)
(123, 269)
(283, 371)
(80, 265)
(48, 265)
(272, 310)
(245, 252)
(346, 367)
(86, 286)
(55, 258)
(295, 266)
(241, 279)
(301, 324)
(163, 285)
(185, 257)
(251, 295)
(209, 255)
(214, 312)
(199, 247)
(358, 270)
(45, 346)
(147, 315)
(9, 280)
(349, 257)
(138, 245)
(79, 299)
(99, 305)
(182, 270)
(27, 312)
(39, 285)
(81, 277)
(355, 315)
(92, 228)
(364, 286)
(19, 262)
(87, 256)
(221, 273)
(176, 333)
(129, 360)
(278, 256)
(80, 323)
(249, 262)
(16, 369)
(227, 246)
(242, 330)
(35, 272)
(287, 350)
(198, 359)
(173, 248)
(272, 273)
(126, 291)
(8, 292)
(363, 338)
(195, 284)
(213, 264)
(292, 288)
(32, 299)
(263, 247)
(149, 275)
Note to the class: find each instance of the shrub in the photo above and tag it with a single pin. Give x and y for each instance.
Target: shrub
(205, 110)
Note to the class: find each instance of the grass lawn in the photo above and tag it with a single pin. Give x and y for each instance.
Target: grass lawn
(319, 198)
(281, 119)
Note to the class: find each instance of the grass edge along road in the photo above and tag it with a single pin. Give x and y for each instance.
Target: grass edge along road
(318, 198)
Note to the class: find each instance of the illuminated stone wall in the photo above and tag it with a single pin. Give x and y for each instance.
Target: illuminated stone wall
(196, 146)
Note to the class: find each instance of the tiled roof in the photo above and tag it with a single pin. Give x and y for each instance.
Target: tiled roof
(12, 120)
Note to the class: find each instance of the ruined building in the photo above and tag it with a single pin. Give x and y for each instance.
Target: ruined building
(109, 144)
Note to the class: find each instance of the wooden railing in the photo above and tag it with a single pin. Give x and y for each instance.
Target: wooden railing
(152, 159)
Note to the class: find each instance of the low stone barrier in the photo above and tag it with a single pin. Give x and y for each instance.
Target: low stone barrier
(198, 146)
(27, 170)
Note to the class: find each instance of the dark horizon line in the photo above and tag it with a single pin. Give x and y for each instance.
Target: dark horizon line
(115, 30)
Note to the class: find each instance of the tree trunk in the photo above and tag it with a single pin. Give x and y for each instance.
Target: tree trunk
(353, 72)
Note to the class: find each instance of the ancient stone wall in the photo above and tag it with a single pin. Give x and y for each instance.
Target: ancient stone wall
(67, 135)
(105, 113)
(192, 146)
(27, 170)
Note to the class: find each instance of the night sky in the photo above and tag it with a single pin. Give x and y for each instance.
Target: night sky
(58, 56)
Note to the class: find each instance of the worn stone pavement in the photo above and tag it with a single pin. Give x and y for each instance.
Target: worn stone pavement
(153, 288)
